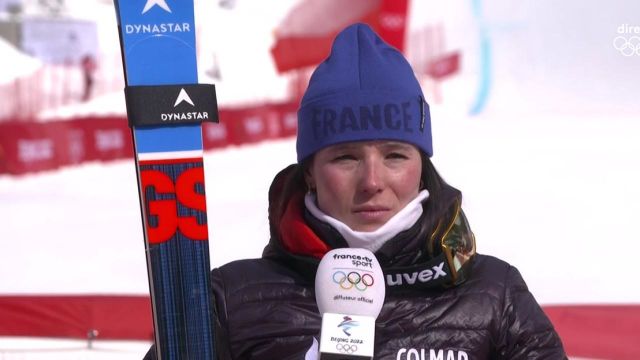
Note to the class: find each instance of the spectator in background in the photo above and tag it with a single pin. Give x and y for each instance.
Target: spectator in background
(89, 66)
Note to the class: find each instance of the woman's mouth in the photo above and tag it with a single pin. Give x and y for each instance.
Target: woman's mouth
(371, 214)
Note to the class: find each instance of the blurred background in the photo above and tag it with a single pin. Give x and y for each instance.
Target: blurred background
(535, 114)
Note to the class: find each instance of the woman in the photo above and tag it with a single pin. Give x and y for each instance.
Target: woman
(364, 179)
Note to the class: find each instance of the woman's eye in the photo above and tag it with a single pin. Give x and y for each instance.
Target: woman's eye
(396, 156)
(344, 157)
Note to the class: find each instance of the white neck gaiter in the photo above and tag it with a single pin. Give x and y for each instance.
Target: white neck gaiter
(373, 240)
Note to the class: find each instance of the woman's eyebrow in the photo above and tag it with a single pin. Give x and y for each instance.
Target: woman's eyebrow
(396, 145)
(343, 147)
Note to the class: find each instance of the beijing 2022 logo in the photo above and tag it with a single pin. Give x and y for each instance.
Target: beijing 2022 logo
(627, 45)
(353, 279)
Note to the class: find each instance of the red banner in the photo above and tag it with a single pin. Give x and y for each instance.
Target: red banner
(77, 317)
(598, 331)
(443, 65)
(594, 331)
(392, 22)
(28, 147)
(304, 37)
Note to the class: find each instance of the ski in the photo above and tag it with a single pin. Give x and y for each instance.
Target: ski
(165, 108)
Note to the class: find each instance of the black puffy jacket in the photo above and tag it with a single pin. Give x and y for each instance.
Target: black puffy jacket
(266, 308)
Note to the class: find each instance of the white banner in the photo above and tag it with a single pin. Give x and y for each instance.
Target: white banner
(60, 41)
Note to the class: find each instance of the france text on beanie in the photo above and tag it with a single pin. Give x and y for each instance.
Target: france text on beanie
(364, 90)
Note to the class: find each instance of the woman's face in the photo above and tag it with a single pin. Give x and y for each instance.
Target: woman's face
(365, 183)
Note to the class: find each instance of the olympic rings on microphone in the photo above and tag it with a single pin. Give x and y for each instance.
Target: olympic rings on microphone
(628, 47)
(346, 348)
(353, 279)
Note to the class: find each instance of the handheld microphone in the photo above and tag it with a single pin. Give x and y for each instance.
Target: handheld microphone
(350, 291)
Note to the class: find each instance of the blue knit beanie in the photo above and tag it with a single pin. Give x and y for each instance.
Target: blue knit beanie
(364, 90)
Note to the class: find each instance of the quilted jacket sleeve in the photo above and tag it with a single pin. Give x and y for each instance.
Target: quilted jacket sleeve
(525, 330)
(219, 305)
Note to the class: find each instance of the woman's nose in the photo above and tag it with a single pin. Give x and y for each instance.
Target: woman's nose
(371, 176)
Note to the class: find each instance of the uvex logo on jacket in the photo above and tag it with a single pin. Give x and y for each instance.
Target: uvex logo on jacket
(417, 276)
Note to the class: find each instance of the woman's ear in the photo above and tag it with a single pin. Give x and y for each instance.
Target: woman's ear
(309, 179)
